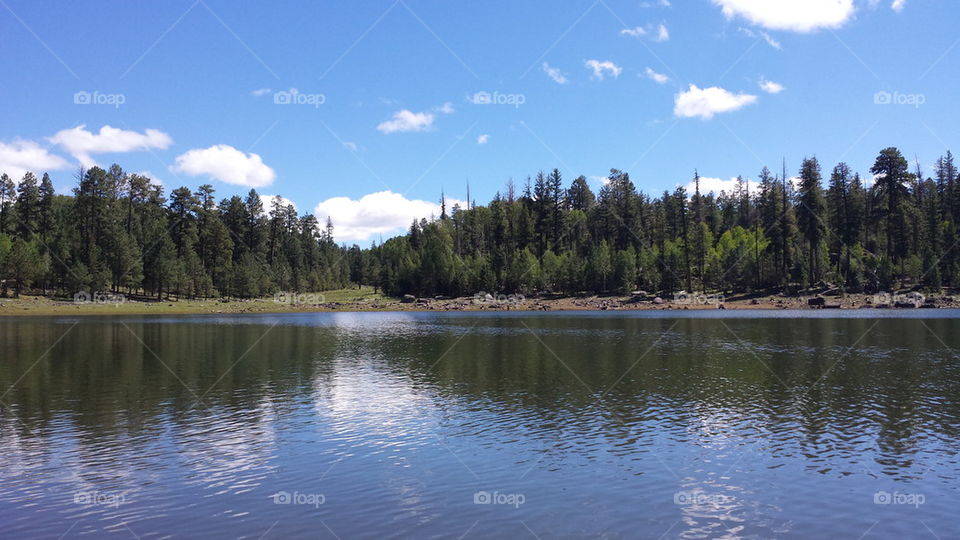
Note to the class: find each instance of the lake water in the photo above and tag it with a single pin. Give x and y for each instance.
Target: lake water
(558, 425)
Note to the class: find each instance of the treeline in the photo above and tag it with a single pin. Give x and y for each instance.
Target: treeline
(897, 230)
(118, 232)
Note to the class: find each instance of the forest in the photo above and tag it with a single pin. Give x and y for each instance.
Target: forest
(895, 229)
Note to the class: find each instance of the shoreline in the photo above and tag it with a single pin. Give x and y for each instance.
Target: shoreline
(358, 301)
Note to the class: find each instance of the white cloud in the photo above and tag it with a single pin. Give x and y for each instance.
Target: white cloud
(19, 156)
(351, 146)
(707, 102)
(658, 3)
(771, 87)
(406, 121)
(267, 202)
(898, 5)
(601, 180)
(554, 73)
(260, 92)
(659, 78)
(384, 212)
(656, 33)
(710, 184)
(662, 33)
(483, 139)
(446, 108)
(792, 15)
(227, 164)
(81, 143)
(153, 178)
(600, 68)
(766, 37)
(639, 31)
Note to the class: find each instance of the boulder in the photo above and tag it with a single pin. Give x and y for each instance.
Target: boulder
(817, 301)
(408, 299)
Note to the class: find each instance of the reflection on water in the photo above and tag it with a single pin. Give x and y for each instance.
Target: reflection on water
(437, 425)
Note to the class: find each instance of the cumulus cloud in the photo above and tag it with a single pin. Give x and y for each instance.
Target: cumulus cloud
(709, 184)
(708, 102)
(601, 68)
(82, 144)
(898, 5)
(771, 87)
(153, 178)
(659, 78)
(406, 121)
(554, 73)
(227, 164)
(600, 180)
(792, 15)
(656, 33)
(483, 139)
(267, 202)
(446, 108)
(384, 212)
(19, 157)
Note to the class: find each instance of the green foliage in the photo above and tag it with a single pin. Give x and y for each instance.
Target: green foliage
(119, 232)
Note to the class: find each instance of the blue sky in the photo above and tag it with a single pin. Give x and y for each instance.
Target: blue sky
(391, 97)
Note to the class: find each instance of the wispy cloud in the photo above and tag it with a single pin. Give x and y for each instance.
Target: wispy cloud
(600, 69)
(659, 78)
(407, 121)
(554, 73)
(766, 37)
(771, 87)
(656, 33)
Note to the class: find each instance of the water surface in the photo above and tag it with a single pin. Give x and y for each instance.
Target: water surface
(558, 425)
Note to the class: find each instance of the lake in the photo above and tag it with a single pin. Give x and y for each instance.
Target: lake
(479, 425)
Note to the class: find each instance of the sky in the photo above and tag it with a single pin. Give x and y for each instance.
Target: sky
(367, 111)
